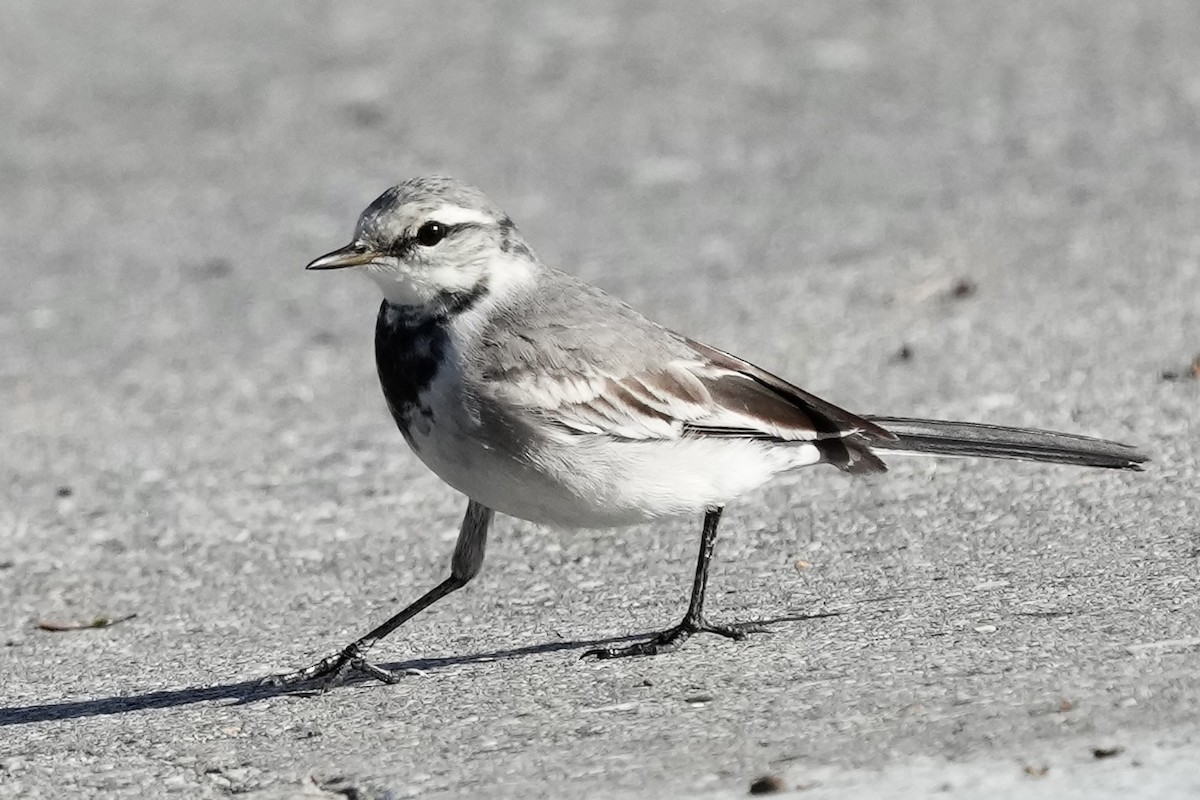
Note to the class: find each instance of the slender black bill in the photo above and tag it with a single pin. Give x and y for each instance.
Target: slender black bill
(942, 438)
(352, 255)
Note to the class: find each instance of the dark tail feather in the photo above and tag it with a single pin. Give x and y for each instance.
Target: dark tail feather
(938, 438)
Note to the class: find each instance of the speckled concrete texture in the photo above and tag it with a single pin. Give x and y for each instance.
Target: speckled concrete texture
(976, 211)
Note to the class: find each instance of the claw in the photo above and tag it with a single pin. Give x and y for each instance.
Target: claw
(332, 671)
(673, 638)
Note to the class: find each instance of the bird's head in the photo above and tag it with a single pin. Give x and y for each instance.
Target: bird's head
(435, 243)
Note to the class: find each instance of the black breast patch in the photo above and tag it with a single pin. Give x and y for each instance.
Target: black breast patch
(409, 346)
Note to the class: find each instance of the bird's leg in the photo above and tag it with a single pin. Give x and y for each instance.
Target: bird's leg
(465, 565)
(693, 620)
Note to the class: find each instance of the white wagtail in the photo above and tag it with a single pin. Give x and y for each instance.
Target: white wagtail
(542, 397)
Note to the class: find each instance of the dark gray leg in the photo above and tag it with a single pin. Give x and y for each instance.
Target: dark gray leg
(465, 565)
(693, 620)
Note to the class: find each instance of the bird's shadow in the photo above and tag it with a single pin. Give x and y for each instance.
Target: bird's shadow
(252, 691)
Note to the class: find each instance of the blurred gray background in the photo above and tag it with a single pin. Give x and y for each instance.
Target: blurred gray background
(979, 211)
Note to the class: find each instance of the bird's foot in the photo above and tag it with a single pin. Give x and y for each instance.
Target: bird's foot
(673, 638)
(332, 671)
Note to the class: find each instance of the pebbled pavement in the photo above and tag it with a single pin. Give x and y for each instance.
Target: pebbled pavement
(945, 209)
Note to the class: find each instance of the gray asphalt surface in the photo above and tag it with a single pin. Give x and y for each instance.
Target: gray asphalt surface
(193, 433)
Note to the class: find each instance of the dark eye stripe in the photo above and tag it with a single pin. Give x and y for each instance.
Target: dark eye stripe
(405, 244)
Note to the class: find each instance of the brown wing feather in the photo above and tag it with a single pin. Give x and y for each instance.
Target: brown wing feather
(714, 395)
(823, 416)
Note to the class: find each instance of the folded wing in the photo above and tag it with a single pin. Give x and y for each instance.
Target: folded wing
(705, 393)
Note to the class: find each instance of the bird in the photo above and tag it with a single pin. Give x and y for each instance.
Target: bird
(541, 397)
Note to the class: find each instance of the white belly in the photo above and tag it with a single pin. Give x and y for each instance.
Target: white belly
(593, 481)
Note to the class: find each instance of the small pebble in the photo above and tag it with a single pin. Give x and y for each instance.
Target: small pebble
(964, 287)
(1192, 371)
(767, 784)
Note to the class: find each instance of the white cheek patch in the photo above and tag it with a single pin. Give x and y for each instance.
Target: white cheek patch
(457, 215)
(421, 287)
(450, 278)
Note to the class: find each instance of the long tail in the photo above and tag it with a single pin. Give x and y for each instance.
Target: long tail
(939, 438)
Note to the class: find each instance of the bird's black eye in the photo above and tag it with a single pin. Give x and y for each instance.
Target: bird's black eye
(431, 233)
